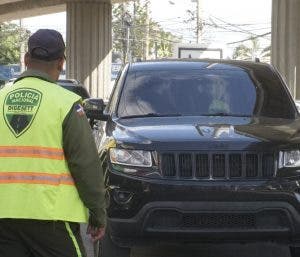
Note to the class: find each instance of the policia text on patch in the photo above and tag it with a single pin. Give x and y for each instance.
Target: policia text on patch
(23, 96)
(22, 100)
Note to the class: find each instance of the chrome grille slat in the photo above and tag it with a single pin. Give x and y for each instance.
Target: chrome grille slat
(227, 163)
(251, 165)
(193, 165)
(202, 166)
(168, 165)
(259, 165)
(185, 165)
(235, 165)
(267, 165)
(216, 165)
(177, 166)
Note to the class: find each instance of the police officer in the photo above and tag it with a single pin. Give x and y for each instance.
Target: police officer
(50, 174)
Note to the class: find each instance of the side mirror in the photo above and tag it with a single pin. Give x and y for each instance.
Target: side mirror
(94, 108)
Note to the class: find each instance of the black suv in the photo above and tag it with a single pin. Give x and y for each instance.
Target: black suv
(200, 151)
(74, 86)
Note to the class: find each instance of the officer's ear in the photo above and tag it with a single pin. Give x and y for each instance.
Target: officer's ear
(60, 64)
(26, 59)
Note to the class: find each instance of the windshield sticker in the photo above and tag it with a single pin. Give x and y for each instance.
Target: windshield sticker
(216, 131)
(20, 108)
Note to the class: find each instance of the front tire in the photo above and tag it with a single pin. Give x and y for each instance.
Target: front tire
(107, 248)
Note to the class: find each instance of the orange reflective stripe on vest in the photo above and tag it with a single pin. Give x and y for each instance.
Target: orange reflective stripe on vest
(32, 152)
(36, 178)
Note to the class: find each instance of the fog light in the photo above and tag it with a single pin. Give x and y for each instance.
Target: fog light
(122, 197)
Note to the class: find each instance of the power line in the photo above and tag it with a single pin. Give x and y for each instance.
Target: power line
(257, 36)
(233, 25)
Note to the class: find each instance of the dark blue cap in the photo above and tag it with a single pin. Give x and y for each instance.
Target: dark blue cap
(46, 45)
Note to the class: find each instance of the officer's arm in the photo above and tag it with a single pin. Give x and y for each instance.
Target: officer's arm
(82, 157)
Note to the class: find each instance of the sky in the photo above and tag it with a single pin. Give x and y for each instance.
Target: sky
(226, 21)
(234, 20)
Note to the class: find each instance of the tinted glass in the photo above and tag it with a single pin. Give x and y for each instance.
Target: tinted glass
(188, 92)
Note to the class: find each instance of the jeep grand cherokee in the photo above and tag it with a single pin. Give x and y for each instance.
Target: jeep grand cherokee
(201, 151)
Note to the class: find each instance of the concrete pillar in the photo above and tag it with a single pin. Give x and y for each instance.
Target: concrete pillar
(286, 42)
(89, 44)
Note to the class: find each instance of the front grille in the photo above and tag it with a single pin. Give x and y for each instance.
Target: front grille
(267, 165)
(229, 165)
(202, 166)
(251, 165)
(218, 165)
(168, 165)
(185, 165)
(235, 165)
(174, 219)
(218, 220)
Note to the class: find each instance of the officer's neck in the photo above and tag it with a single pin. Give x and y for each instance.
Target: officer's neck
(51, 70)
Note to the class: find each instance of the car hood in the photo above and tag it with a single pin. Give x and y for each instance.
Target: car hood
(195, 132)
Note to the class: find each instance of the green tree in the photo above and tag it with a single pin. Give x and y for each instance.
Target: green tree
(162, 43)
(119, 30)
(250, 52)
(266, 52)
(242, 52)
(11, 38)
(136, 35)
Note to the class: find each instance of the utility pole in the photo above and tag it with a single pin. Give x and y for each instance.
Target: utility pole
(199, 12)
(147, 43)
(133, 32)
(128, 51)
(126, 24)
(22, 47)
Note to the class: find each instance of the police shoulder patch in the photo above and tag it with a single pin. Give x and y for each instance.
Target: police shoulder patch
(20, 108)
(79, 109)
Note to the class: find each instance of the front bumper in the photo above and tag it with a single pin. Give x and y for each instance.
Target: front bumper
(156, 211)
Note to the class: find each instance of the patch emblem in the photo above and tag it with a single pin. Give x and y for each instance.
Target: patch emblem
(79, 110)
(20, 108)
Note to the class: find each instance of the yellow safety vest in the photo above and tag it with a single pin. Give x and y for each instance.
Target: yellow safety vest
(35, 181)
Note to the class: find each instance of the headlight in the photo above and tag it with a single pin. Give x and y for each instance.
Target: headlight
(289, 159)
(137, 158)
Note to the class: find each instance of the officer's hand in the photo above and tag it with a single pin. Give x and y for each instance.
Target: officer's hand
(96, 233)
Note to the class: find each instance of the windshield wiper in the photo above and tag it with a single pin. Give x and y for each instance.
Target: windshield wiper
(151, 114)
(225, 114)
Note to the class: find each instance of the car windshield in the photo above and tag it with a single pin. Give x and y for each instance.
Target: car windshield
(196, 92)
(189, 93)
